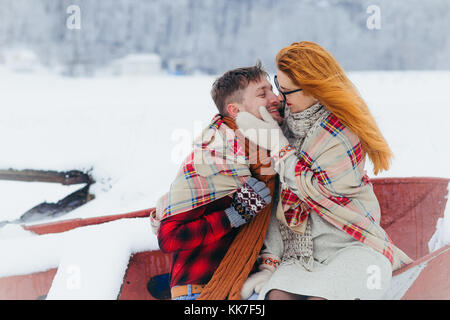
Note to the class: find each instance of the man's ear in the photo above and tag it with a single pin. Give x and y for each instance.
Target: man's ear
(232, 110)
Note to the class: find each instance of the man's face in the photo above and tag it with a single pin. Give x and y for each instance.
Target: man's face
(257, 94)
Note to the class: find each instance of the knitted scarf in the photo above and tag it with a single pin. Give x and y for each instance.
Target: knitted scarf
(296, 126)
(228, 279)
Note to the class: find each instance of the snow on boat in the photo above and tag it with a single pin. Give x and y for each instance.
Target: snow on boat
(410, 209)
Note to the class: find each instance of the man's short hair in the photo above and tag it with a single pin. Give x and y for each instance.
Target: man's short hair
(229, 88)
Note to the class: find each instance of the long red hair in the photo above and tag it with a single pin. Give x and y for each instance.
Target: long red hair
(318, 73)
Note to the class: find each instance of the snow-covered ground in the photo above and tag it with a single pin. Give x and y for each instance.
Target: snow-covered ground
(36, 193)
(132, 132)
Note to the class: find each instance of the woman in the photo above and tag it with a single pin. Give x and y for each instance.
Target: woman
(326, 241)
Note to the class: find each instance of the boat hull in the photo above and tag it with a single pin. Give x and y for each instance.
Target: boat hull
(410, 208)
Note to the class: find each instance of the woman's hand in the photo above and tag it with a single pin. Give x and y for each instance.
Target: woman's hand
(255, 283)
(265, 133)
(268, 264)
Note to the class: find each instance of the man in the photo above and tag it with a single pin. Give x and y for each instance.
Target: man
(196, 224)
(245, 89)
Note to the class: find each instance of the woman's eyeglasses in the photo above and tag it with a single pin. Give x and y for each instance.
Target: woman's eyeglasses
(283, 93)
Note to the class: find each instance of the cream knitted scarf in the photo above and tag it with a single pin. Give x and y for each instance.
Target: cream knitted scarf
(296, 126)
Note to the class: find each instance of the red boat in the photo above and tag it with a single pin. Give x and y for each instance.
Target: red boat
(410, 209)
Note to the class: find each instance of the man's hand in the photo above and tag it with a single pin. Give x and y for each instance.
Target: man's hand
(248, 201)
(265, 133)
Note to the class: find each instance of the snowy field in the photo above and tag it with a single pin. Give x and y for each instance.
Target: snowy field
(131, 133)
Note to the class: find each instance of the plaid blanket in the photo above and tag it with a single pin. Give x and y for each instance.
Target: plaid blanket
(331, 180)
(216, 167)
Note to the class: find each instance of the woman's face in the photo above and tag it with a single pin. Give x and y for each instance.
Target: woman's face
(297, 101)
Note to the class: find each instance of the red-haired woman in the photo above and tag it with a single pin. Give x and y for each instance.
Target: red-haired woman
(326, 241)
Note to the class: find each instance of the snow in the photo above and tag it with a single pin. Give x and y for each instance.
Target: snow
(137, 64)
(120, 129)
(130, 134)
(91, 260)
(402, 282)
(441, 237)
(14, 206)
(21, 60)
(11, 231)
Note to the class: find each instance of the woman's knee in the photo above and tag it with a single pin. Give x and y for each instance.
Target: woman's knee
(276, 294)
(315, 298)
